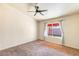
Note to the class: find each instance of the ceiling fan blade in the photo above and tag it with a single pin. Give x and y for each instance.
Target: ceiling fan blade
(30, 11)
(35, 13)
(43, 10)
(41, 13)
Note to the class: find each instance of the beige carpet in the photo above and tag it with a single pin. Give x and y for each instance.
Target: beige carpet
(34, 48)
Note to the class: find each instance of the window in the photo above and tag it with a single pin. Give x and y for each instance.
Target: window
(53, 29)
(56, 30)
(50, 29)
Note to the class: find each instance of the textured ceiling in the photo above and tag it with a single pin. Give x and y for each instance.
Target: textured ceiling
(54, 9)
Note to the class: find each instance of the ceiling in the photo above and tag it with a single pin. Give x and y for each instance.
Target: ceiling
(54, 9)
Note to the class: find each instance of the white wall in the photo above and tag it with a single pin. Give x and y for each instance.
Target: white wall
(15, 27)
(70, 29)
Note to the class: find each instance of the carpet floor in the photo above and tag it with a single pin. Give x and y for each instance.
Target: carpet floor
(35, 48)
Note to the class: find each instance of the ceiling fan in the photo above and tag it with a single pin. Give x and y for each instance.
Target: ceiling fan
(37, 10)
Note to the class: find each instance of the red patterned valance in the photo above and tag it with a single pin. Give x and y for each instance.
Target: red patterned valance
(55, 24)
(49, 24)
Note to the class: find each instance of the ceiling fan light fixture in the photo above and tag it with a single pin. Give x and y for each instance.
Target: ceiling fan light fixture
(37, 10)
